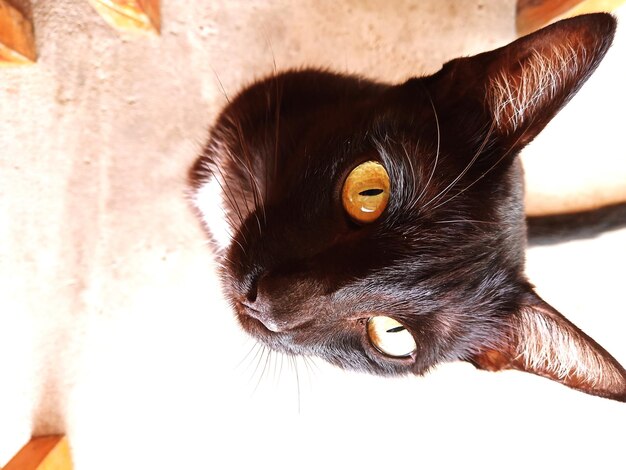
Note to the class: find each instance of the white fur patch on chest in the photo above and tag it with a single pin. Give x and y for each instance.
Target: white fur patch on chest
(209, 199)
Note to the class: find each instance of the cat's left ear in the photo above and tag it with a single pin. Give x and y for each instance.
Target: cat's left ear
(539, 340)
(521, 86)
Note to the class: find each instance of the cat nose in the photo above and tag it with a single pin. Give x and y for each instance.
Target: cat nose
(280, 300)
(259, 307)
(261, 314)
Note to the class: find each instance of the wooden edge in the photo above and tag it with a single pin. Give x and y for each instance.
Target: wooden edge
(43, 453)
(17, 40)
(130, 15)
(535, 14)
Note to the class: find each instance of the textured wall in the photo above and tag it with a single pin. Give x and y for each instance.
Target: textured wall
(111, 325)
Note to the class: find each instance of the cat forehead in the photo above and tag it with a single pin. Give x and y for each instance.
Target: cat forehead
(323, 102)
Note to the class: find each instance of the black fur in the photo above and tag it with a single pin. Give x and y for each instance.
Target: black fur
(446, 259)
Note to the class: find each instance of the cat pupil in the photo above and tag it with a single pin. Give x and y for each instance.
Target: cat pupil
(396, 329)
(371, 192)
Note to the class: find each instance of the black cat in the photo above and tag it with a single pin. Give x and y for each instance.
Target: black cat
(381, 227)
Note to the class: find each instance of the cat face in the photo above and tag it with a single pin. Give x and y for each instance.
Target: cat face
(381, 227)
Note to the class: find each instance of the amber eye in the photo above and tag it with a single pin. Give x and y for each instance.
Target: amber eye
(366, 192)
(390, 336)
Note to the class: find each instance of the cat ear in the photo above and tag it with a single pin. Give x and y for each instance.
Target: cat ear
(541, 341)
(522, 86)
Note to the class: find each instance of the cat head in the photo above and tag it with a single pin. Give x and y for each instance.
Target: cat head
(381, 227)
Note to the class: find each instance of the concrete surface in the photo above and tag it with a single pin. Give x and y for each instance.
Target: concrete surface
(112, 328)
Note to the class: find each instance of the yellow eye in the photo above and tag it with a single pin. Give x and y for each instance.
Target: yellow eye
(366, 192)
(390, 337)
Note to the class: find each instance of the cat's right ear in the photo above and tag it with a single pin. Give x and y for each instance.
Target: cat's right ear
(520, 87)
(540, 340)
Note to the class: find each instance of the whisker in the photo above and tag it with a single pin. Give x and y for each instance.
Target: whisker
(275, 366)
(219, 81)
(247, 165)
(211, 171)
(279, 95)
(409, 158)
(478, 153)
(280, 370)
(267, 360)
(432, 173)
(295, 368)
(504, 155)
(231, 221)
(258, 348)
(254, 346)
(260, 354)
(239, 129)
(312, 362)
(230, 194)
(225, 212)
(277, 106)
(227, 190)
(308, 368)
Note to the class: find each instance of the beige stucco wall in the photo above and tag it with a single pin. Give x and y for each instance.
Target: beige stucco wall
(112, 328)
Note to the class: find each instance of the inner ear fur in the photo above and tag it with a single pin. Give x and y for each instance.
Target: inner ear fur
(529, 84)
(540, 340)
(521, 86)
